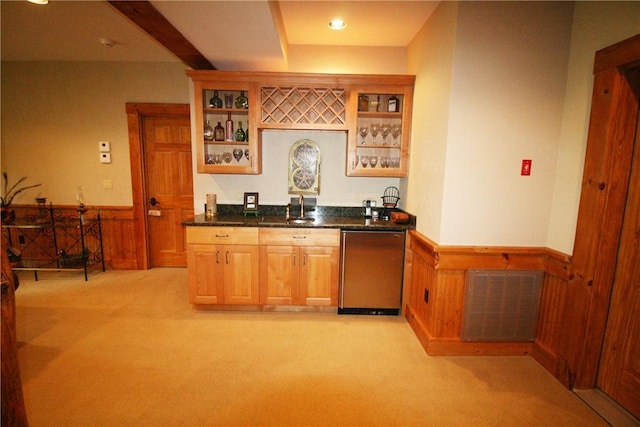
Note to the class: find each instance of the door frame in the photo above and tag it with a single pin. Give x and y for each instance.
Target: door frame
(610, 146)
(136, 113)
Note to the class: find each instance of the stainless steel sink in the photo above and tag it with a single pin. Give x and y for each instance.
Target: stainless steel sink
(301, 220)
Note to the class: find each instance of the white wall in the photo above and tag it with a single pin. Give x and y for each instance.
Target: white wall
(519, 85)
(506, 105)
(347, 59)
(596, 25)
(55, 113)
(430, 58)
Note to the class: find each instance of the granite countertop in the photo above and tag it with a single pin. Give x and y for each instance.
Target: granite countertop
(345, 218)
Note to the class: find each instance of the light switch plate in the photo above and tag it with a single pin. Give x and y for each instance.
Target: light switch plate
(105, 157)
(105, 146)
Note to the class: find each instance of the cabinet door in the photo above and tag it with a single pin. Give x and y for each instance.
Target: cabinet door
(378, 142)
(231, 154)
(241, 274)
(319, 275)
(279, 275)
(204, 272)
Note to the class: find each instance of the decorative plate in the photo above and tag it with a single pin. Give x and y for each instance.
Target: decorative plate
(304, 167)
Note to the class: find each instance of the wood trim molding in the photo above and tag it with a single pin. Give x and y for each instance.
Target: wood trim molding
(135, 116)
(610, 147)
(623, 54)
(266, 78)
(435, 346)
(496, 257)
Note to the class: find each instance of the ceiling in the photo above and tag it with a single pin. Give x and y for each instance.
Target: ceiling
(232, 35)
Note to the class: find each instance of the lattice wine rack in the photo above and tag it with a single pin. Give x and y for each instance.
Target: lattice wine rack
(303, 105)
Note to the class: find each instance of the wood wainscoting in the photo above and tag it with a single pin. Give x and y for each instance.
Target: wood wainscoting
(118, 240)
(434, 296)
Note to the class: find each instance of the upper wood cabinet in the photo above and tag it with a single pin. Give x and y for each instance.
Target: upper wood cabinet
(303, 101)
(225, 154)
(378, 141)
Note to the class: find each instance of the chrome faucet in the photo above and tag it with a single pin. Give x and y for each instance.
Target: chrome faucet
(301, 203)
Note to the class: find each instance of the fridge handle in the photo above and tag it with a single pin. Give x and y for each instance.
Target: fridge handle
(343, 242)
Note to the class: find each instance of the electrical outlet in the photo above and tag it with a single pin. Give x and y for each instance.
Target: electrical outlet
(107, 184)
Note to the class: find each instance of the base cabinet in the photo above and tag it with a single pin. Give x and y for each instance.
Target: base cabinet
(265, 266)
(299, 266)
(292, 275)
(204, 274)
(223, 273)
(279, 275)
(319, 276)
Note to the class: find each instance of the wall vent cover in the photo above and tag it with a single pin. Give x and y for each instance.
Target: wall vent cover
(501, 305)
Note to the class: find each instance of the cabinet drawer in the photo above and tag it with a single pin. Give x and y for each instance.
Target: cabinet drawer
(299, 237)
(223, 235)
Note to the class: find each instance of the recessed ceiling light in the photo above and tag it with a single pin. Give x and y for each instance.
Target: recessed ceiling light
(337, 24)
(39, 1)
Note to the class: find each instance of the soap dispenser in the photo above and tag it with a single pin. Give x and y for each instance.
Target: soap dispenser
(367, 208)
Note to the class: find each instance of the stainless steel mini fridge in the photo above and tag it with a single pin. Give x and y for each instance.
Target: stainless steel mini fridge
(371, 272)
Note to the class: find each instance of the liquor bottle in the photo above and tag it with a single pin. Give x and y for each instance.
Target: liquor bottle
(208, 132)
(242, 102)
(239, 133)
(218, 132)
(229, 128)
(363, 103)
(216, 101)
(393, 105)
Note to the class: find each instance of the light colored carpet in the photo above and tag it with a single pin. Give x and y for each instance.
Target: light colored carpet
(126, 349)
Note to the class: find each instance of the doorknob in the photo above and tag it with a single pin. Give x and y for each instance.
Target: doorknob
(153, 201)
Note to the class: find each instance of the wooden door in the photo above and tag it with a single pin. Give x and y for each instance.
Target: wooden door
(169, 187)
(319, 276)
(279, 274)
(619, 371)
(241, 274)
(205, 274)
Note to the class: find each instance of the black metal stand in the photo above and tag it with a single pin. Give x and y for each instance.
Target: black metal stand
(47, 240)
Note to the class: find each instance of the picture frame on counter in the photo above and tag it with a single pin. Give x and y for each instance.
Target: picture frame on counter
(251, 203)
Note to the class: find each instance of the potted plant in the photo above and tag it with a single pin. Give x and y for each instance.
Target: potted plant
(9, 193)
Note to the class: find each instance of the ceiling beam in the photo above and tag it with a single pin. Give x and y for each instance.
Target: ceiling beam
(151, 21)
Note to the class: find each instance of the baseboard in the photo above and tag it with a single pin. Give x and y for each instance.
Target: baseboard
(435, 346)
(608, 409)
